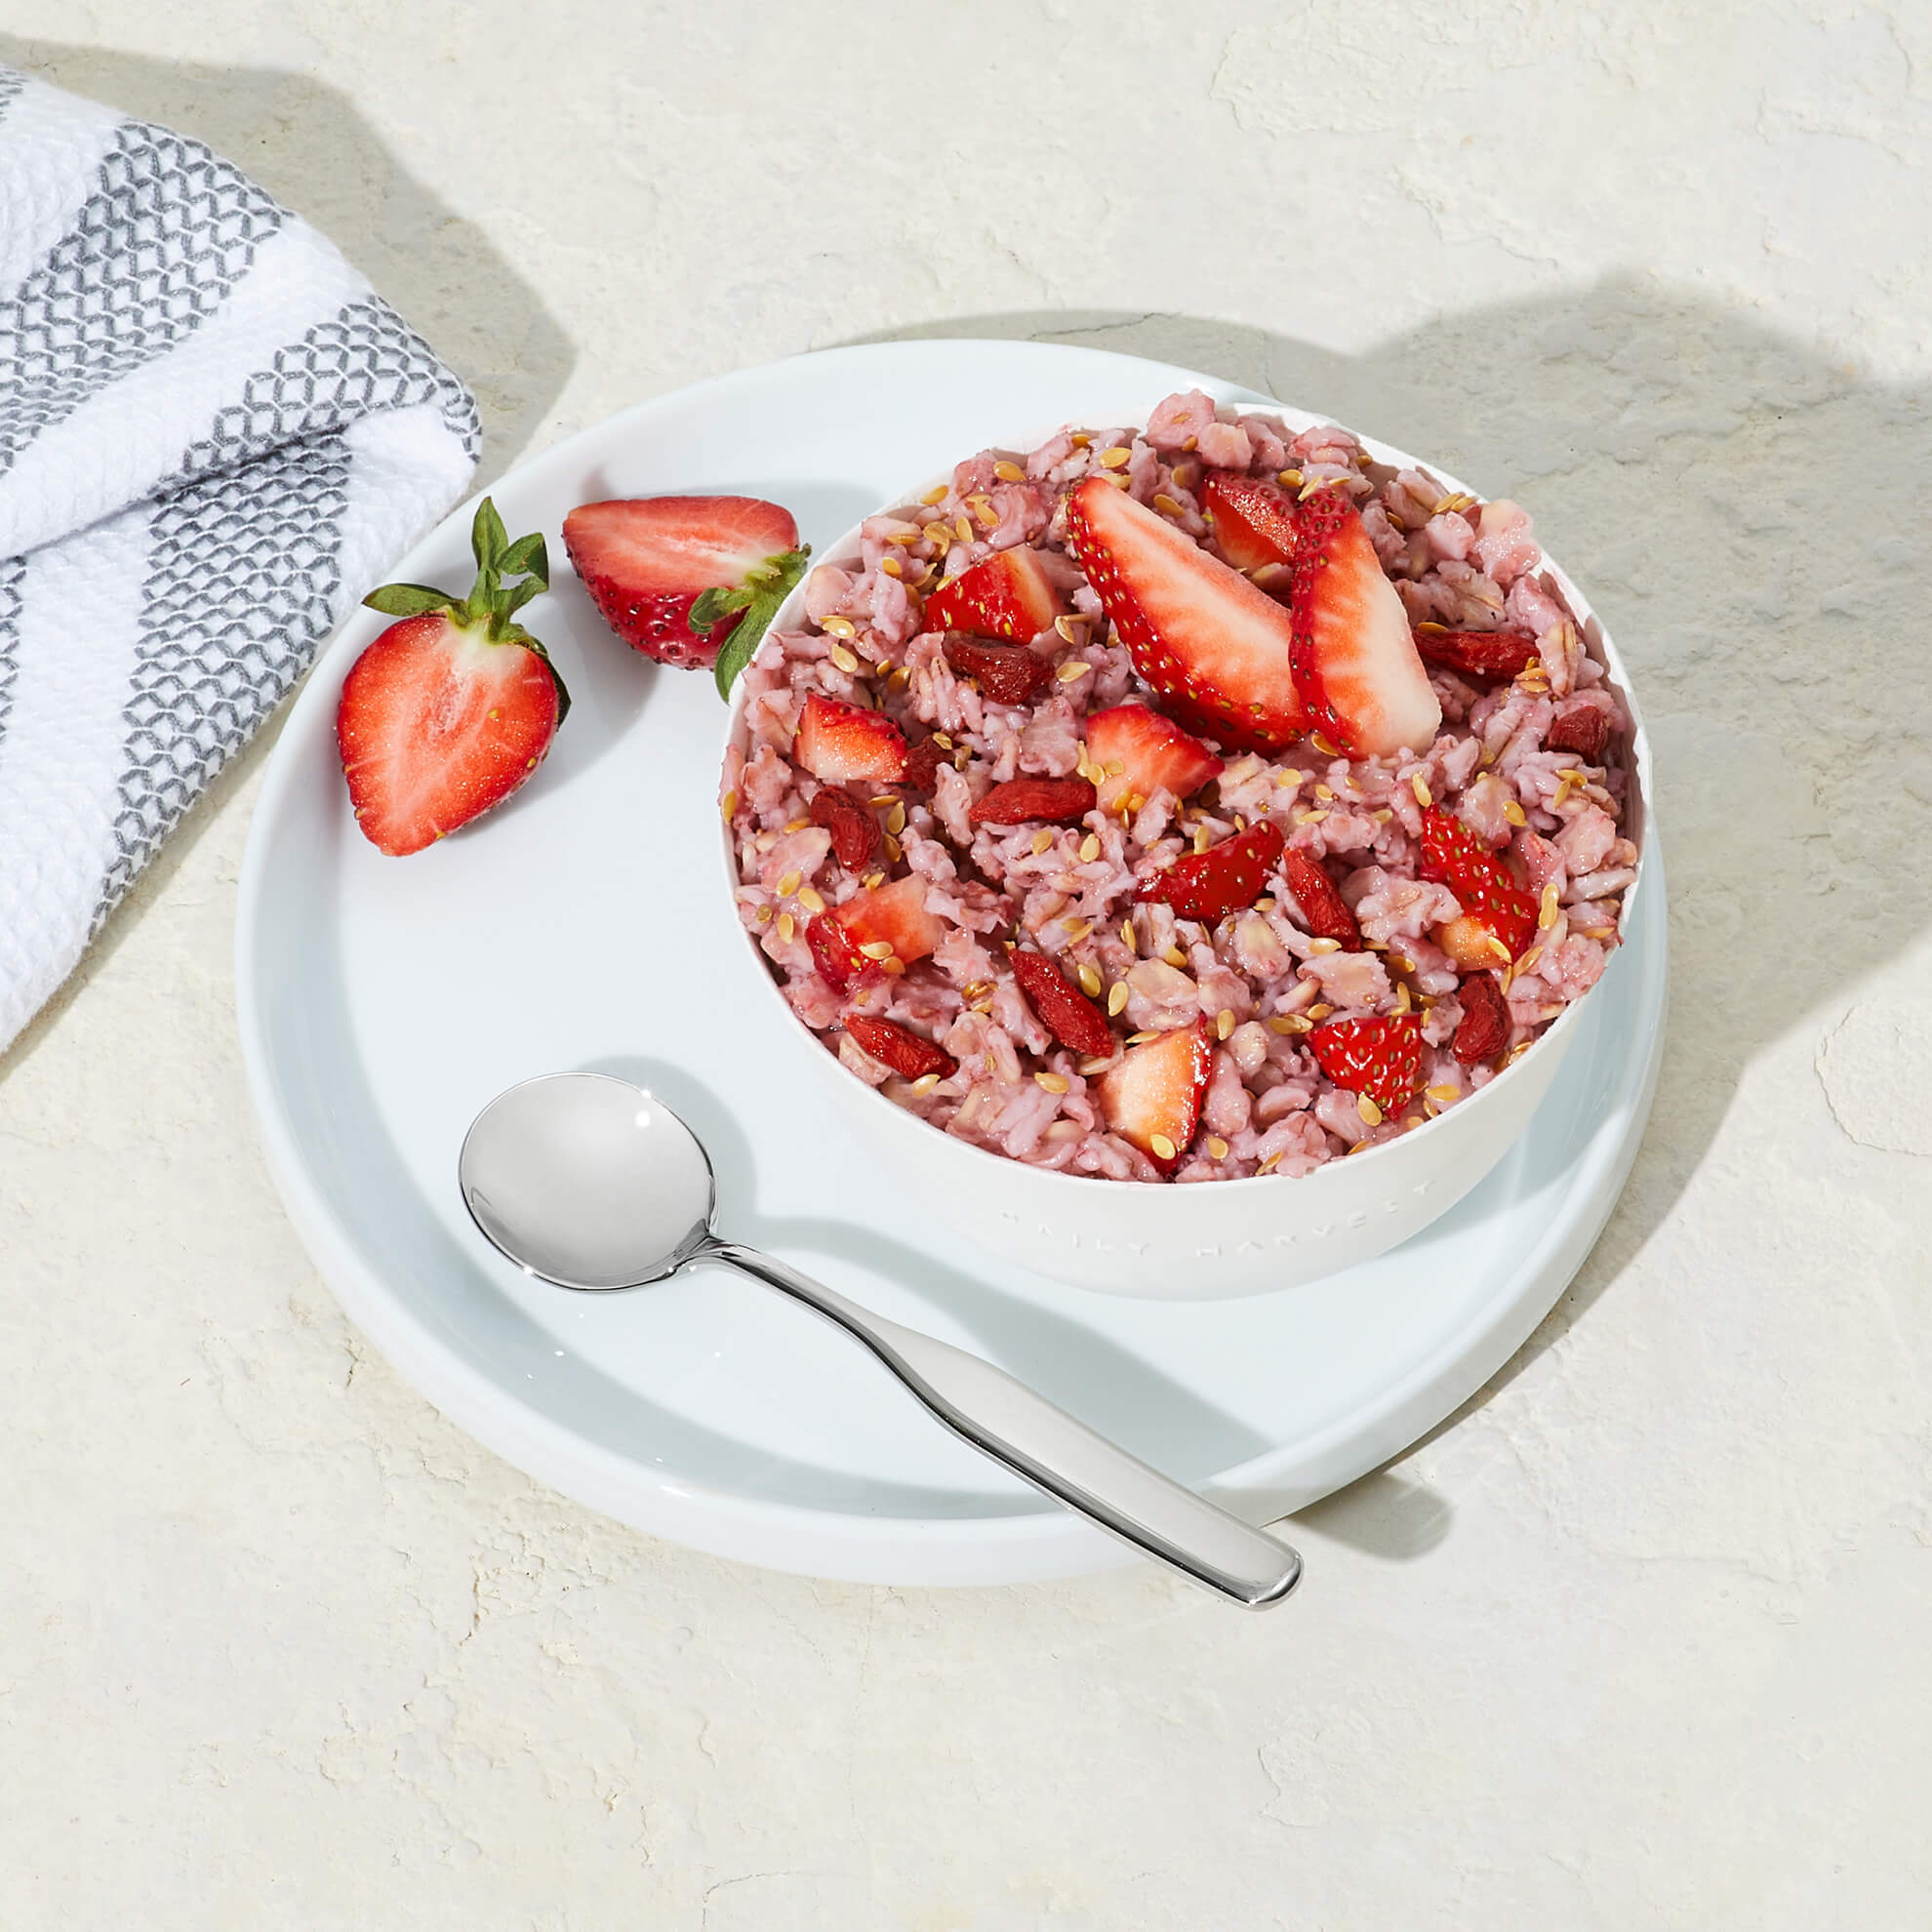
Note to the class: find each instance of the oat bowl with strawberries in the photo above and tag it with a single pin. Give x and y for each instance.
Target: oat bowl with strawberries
(1190, 839)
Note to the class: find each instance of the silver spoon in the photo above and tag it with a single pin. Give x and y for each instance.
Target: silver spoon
(590, 1183)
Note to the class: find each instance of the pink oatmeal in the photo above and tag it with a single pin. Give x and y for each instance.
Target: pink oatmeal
(988, 1062)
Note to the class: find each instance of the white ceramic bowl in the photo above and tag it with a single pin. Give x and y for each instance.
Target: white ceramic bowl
(1229, 1237)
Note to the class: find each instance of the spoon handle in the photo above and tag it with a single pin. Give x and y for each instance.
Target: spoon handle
(1009, 1422)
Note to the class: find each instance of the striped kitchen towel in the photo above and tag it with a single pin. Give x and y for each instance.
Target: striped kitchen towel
(213, 436)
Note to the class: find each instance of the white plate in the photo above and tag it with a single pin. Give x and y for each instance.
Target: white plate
(384, 1001)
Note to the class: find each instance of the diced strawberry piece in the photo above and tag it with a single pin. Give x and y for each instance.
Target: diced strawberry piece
(449, 710)
(896, 915)
(1484, 886)
(898, 1047)
(1008, 596)
(923, 764)
(1153, 1097)
(1065, 1011)
(1380, 1057)
(1254, 521)
(646, 560)
(1022, 800)
(1487, 654)
(1483, 1030)
(1325, 911)
(845, 742)
(854, 831)
(1582, 728)
(1007, 673)
(1141, 753)
(1355, 662)
(1217, 649)
(834, 955)
(1205, 885)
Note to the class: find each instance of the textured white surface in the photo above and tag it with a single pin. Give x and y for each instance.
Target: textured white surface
(1639, 1641)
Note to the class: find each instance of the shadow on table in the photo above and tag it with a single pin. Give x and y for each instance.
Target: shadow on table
(1743, 509)
(305, 142)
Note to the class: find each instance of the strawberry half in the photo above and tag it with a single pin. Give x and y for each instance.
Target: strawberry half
(1379, 1058)
(454, 707)
(665, 573)
(1022, 800)
(1325, 911)
(1007, 673)
(1492, 901)
(898, 1047)
(893, 915)
(1009, 595)
(1205, 885)
(1486, 654)
(1215, 647)
(844, 744)
(1065, 1011)
(1140, 751)
(1483, 1030)
(1355, 662)
(1254, 521)
(1153, 1097)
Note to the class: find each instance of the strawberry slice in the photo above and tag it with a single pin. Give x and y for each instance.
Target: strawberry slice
(1007, 673)
(1486, 654)
(1325, 911)
(1582, 728)
(1491, 900)
(449, 710)
(1483, 1030)
(854, 831)
(845, 742)
(1022, 800)
(1009, 595)
(1065, 1011)
(898, 1047)
(1355, 662)
(1153, 1097)
(1379, 1058)
(894, 915)
(1205, 885)
(664, 573)
(1215, 647)
(1254, 521)
(1141, 753)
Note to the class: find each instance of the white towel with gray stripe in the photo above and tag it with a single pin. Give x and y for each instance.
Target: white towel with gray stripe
(213, 436)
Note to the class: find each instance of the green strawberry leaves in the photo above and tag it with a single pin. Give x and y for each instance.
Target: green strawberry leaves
(765, 588)
(489, 604)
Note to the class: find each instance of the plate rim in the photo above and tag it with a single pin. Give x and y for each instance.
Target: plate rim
(842, 1543)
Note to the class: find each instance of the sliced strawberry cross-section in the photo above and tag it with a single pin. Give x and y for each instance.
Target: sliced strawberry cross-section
(1009, 595)
(1217, 649)
(1153, 1097)
(1065, 1011)
(1495, 906)
(1253, 519)
(908, 1053)
(1139, 752)
(1007, 673)
(647, 560)
(1206, 885)
(1325, 911)
(893, 916)
(1023, 800)
(1379, 1058)
(1356, 667)
(844, 743)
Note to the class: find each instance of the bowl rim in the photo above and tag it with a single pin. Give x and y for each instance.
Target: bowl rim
(1597, 640)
